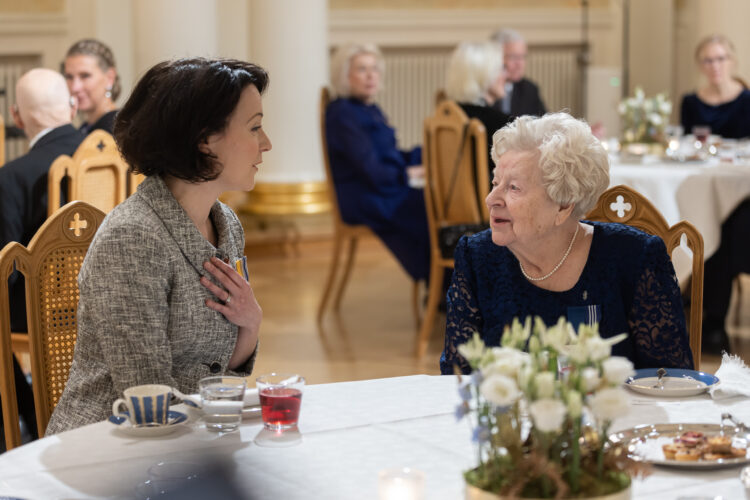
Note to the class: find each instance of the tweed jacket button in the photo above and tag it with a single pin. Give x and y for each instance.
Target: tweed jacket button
(215, 367)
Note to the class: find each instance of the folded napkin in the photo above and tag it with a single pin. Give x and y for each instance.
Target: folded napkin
(251, 398)
(734, 378)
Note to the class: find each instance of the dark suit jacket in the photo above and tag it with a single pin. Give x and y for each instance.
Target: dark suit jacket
(525, 100)
(23, 199)
(492, 119)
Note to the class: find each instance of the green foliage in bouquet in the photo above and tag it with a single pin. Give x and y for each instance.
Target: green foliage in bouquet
(644, 118)
(540, 405)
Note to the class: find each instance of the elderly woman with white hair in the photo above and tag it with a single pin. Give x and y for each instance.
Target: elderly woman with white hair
(540, 259)
(476, 80)
(369, 171)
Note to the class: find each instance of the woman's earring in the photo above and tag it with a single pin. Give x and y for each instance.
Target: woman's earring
(108, 93)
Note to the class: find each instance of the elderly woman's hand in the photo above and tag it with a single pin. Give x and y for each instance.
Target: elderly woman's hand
(238, 300)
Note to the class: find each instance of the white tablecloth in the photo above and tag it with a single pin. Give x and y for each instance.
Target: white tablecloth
(703, 193)
(350, 430)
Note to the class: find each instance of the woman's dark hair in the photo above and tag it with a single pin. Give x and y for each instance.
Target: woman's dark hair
(105, 59)
(175, 107)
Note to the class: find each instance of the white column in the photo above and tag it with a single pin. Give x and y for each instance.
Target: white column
(165, 29)
(289, 39)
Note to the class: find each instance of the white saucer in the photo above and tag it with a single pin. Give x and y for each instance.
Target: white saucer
(175, 420)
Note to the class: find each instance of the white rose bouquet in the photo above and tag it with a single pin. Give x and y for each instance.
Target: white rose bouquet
(541, 406)
(644, 118)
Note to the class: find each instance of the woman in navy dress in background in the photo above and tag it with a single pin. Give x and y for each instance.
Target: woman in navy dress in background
(723, 103)
(540, 259)
(369, 171)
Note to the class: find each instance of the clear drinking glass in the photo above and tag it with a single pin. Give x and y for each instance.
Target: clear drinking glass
(222, 398)
(280, 398)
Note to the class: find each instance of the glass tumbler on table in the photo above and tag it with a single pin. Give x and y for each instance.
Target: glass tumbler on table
(222, 399)
(280, 398)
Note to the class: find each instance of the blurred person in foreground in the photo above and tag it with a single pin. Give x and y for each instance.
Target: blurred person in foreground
(370, 173)
(160, 300)
(476, 80)
(89, 68)
(43, 110)
(521, 94)
(723, 104)
(540, 259)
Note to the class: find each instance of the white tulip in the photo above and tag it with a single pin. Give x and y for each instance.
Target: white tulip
(617, 369)
(548, 414)
(575, 404)
(590, 378)
(545, 385)
(610, 403)
(499, 390)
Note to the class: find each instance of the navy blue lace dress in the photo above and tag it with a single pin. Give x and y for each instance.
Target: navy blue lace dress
(628, 284)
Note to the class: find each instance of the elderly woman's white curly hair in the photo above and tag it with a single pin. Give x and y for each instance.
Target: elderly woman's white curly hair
(341, 61)
(574, 165)
(472, 69)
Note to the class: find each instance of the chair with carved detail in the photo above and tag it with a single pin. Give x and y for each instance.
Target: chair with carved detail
(344, 235)
(50, 266)
(96, 173)
(625, 205)
(456, 184)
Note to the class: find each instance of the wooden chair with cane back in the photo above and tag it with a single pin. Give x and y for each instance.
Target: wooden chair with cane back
(457, 182)
(96, 173)
(50, 266)
(344, 235)
(627, 206)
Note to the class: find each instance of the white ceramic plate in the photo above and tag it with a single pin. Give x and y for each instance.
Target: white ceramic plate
(677, 382)
(175, 420)
(644, 443)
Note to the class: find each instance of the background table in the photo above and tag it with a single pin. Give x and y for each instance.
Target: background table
(351, 431)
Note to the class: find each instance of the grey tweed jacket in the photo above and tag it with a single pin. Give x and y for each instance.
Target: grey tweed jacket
(142, 317)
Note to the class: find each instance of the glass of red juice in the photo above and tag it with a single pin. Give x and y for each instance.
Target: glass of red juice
(280, 397)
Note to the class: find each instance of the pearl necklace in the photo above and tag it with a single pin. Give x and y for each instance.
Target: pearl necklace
(567, 252)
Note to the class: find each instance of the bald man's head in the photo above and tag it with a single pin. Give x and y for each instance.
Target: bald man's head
(42, 100)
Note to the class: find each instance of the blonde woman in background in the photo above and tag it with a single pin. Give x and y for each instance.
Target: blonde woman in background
(369, 171)
(476, 80)
(89, 69)
(723, 102)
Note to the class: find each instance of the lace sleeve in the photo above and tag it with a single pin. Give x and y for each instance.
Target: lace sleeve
(463, 317)
(657, 319)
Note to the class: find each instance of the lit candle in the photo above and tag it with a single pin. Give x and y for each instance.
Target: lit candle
(400, 484)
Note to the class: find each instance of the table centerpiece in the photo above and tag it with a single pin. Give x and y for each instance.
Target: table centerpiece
(541, 429)
(643, 122)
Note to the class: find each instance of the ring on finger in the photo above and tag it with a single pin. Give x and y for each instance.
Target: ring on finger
(228, 300)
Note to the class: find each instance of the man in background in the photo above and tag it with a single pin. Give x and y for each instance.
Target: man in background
(521, 94)
(43, 110)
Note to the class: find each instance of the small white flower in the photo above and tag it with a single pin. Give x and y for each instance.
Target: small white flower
(598, 348)
(499, 390)
(590, 378)
(548, 414)
(473, 349)
(557, 336)
(506, 361)
(545, 385)
(617, 369)
(655, 119)
(609, 403)
(575, 404)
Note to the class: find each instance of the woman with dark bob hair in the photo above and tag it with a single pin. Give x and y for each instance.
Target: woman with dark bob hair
(160, 300)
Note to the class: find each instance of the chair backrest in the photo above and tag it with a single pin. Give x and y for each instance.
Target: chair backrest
(456, 175)
(325, 100)
(625, 205)
(50, 266)
(96, 174)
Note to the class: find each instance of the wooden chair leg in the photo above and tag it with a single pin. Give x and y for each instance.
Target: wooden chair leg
(433, 299)
(9, 405)
(738, 301)
(332, 272)
(348, 264)
(415, 303)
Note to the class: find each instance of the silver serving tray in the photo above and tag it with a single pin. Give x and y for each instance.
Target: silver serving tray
(644, 444)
